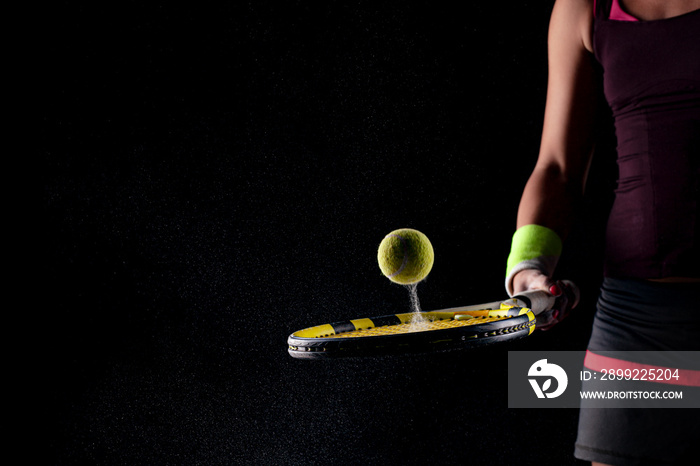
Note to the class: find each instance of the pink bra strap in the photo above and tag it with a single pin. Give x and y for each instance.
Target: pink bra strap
(618, 14)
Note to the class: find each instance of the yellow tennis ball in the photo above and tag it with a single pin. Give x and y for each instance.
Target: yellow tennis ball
(405, 256)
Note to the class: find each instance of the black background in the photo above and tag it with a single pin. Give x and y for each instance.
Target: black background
(216, 177)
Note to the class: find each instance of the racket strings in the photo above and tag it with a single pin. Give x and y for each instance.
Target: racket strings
(412, 327)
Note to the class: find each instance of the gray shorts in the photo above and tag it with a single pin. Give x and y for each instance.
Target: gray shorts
(637, 315)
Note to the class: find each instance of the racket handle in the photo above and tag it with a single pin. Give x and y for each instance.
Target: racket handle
(539, 301)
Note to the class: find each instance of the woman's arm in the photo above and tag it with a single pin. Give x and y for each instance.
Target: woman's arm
(556, 185)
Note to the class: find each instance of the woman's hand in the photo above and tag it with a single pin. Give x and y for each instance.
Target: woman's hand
(563, 290)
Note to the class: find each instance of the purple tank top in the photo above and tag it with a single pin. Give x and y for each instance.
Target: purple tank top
(651, 79)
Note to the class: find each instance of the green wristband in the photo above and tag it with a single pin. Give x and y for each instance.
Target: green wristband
(534, 247)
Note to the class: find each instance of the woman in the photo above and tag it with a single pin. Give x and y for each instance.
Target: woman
(649, 54)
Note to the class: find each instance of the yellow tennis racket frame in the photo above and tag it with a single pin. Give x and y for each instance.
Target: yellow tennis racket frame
(425, 331)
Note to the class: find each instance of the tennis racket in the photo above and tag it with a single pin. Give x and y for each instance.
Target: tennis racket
(447, 329)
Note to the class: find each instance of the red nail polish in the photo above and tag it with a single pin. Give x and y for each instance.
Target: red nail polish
(555, 290)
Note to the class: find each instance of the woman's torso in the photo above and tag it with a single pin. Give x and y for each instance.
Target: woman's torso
(651, 75)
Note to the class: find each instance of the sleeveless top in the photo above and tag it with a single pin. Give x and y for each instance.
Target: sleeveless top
(651, 80)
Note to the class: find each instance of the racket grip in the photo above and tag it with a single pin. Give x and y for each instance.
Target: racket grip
(540, 301)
